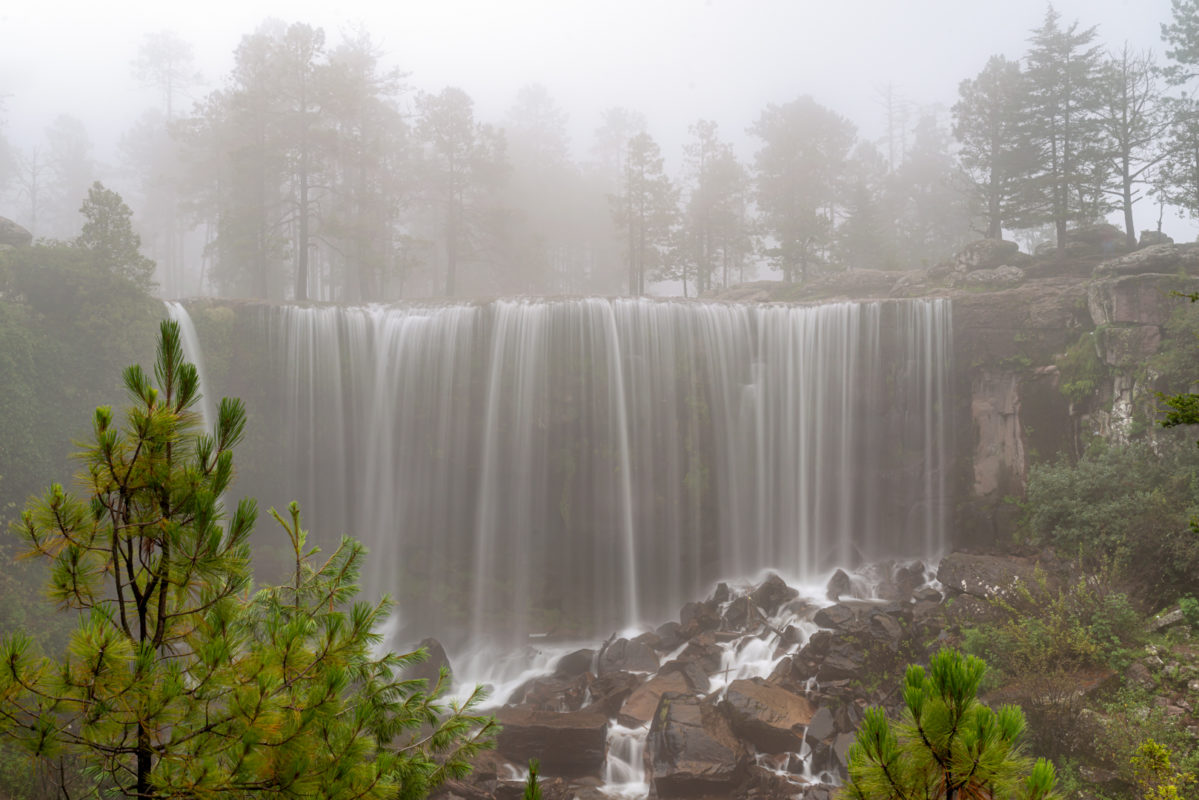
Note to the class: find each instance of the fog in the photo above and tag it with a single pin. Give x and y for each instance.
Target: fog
(675, 61)
(884, 66)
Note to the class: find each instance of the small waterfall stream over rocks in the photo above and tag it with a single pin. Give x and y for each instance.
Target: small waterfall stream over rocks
(531, 473)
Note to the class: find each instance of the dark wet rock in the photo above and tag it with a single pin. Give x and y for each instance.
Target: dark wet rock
(704, 650)
(429, 669)
(848, 716)
(649, 639)
(818, 791)
(695, 618)
(821, 726)
(839, 617)
(771, 718)
(638, 709)
(623, 655)
(566, 744)
(575, 663)
(697, 678)
(884, 627)
(691, 750)
(838, 585)
(844, 662)
(841, 748)
(722, 593)
(772, 594)
(552, 693)
(669, 636)
(742, 614)
(791, 635)
(609, 692)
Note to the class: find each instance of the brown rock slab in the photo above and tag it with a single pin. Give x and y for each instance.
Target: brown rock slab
(639, 708)
(692, 751)
(770, 717)
(568, 745)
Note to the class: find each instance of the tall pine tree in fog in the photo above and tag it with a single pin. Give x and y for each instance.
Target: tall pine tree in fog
(800, 166)
(645, 210)
(463, 164)
(988, 126)
(715, 233)
(1062, 101)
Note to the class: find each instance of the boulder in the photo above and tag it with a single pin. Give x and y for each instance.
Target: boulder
(988, 254)
(1102, 237)
(638, 709)
(552, 692)
(821, 726)
(840, 617)
(695, 618)
(772, 593)
(430, 669)
(609, 692)
(567, 745)
(575, 663)
(669, 635)
(691, 750)
(1151, 238)
(697, 678)
(623, 655)
(13, 234)
(1163, 259)
(771, 718)
(838, 585)
(999, 277)
(984, 576)
(741, 615)
(704, 650)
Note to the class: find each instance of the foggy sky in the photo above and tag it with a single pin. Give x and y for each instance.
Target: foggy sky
(674, 60)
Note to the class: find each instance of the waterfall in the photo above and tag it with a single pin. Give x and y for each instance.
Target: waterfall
(575, 466)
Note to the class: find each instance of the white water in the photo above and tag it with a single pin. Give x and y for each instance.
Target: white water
(195, 354)
(572, 467)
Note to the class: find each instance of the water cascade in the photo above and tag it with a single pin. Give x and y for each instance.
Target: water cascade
(573, 467)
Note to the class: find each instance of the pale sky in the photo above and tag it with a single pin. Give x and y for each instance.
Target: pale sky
(676, 61)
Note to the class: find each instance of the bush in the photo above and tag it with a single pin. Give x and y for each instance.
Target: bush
(1128, 505)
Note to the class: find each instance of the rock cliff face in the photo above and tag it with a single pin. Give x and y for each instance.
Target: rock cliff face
(1016, 321)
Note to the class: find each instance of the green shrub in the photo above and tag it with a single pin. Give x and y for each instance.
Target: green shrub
(1129, 505)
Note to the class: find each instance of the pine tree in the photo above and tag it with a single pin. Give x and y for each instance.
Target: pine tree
(948, 744)
(1062, 102)
(108, 235)
(182, 680)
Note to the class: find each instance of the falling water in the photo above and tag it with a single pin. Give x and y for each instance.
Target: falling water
(193, 353)
(573, 466)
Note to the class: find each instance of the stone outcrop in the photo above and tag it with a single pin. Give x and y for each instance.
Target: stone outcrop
(691, 750)
(13, 235)
(988, 254)
(770, 717)
(569, 745)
